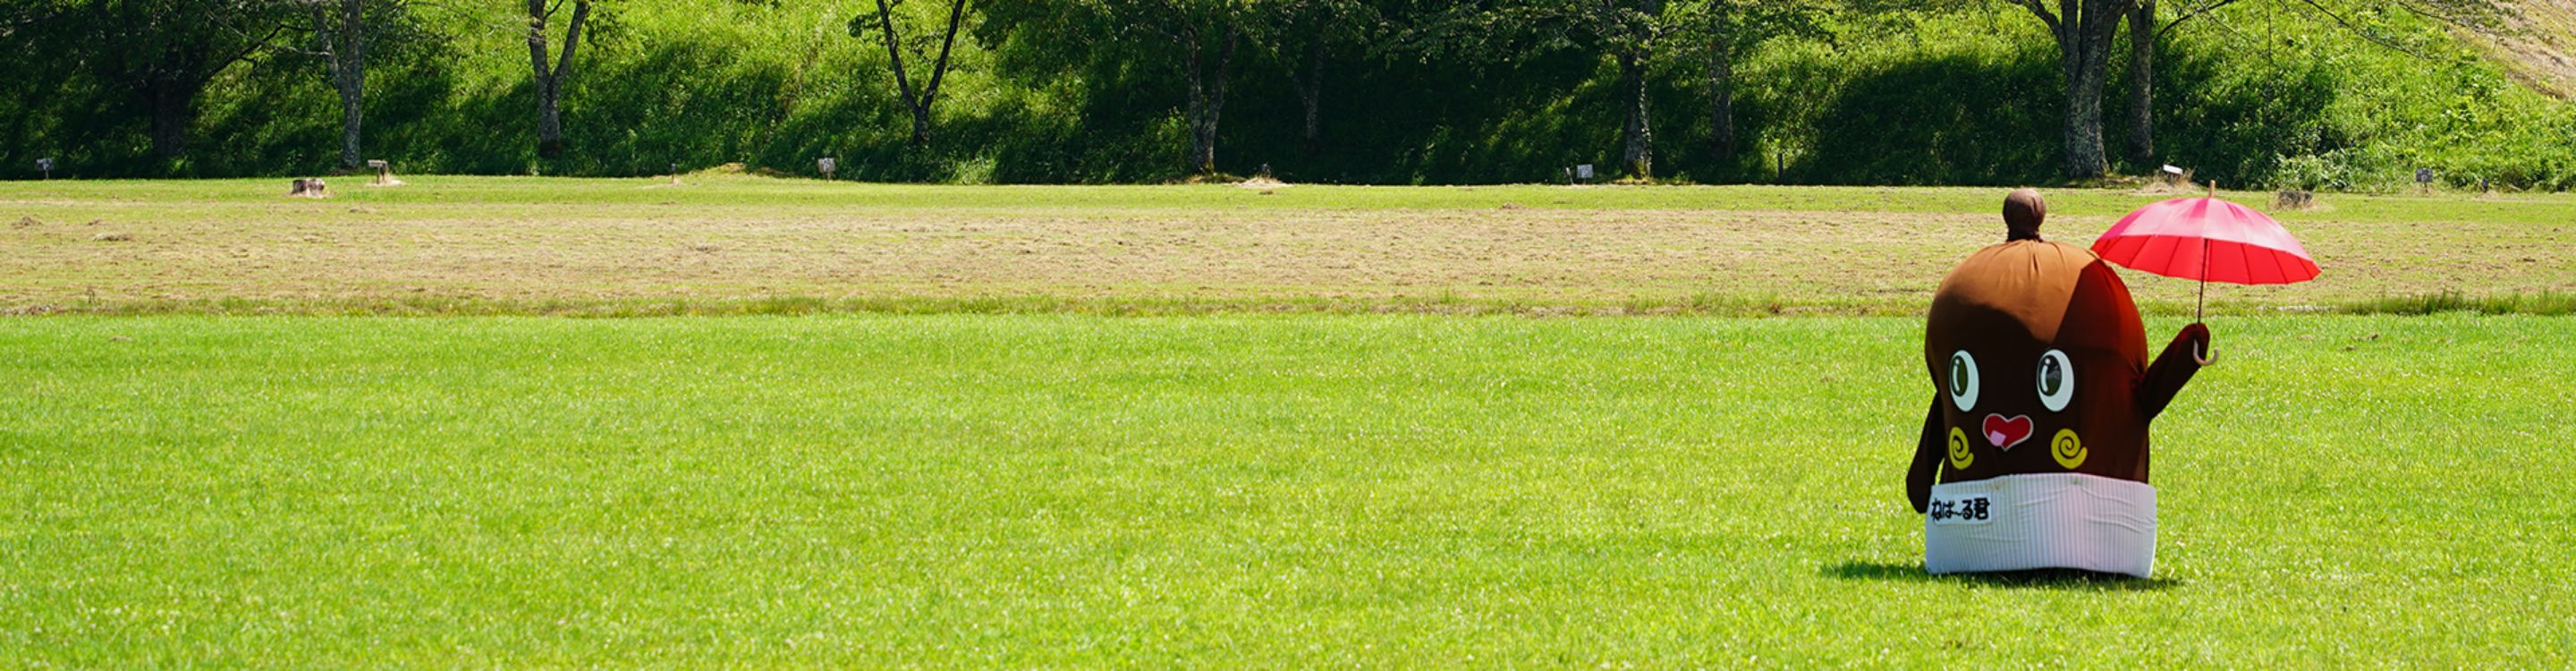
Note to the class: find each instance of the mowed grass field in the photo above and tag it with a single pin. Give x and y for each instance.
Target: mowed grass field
(1169, 426)
(1270, 491)
(721, 244)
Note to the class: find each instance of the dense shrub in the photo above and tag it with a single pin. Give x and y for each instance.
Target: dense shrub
(2276, 97)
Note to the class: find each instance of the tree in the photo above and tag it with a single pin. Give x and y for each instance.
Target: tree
(1315, 28)
(1208, 33)
(2083, 30)
(920, 102)
(1726, 30)
(1629, 32)
(343, 39)
(1638, 32)
(347, 35)
(343, 33)
(1632, 33)
(167, 51)
(1633, 30)
(1195, 39)
(550, 78)
(2144, 33)
(2142, 81)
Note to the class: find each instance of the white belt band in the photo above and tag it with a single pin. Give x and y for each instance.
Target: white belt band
(2053, 520)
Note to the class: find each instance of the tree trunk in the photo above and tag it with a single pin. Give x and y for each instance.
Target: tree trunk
(1721, 101)
(1216, 94)
(173, 104)
(1638, 136)
(938, 72)
(549, 124)
(351, 122)
(2142, 83)
(1202, 158)
(918, 102)
(2084, 154)
(2083, 43)
(550, 142)
(549, 80)
(1207, 95)
(349, 75)
(1310, 94)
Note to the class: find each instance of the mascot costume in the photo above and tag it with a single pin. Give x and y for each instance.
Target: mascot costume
(2034, 454)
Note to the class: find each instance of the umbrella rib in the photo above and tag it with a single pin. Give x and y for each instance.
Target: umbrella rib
(2288, 266)
(2160, 248)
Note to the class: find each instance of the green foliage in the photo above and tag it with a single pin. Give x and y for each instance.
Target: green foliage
(2256, 94)
(1981, 114)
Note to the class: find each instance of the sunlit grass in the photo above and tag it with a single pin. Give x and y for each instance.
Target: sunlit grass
(1272, 491)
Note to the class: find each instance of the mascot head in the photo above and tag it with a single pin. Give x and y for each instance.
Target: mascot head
(2023, 210)
(2036, 347)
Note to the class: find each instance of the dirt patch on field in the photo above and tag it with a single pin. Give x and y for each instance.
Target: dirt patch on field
(1792, 261)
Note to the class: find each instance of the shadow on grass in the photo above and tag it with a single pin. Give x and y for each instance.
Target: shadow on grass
(2035, 579)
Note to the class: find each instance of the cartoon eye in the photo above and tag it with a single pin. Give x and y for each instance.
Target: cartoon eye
(2056, 380)
(1963, 380)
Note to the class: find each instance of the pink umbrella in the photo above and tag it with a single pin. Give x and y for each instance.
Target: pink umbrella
(2206, 239)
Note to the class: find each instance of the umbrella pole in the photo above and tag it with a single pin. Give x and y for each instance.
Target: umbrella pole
(2197, 301)
(2205, 355)
(2204, 281)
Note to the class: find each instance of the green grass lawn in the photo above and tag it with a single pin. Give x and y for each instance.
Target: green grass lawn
(1263, 491)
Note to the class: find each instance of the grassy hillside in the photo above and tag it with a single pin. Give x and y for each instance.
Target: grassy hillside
(2258, 94)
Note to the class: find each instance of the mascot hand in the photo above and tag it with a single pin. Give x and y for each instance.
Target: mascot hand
(2198, 334)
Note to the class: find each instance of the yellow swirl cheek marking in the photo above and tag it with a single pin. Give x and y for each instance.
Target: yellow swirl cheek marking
(1960, 457)
(2068, 449)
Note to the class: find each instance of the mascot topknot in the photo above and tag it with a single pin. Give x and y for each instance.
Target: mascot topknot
(2034, 453)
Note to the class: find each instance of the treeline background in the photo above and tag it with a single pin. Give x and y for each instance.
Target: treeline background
(2315, 95)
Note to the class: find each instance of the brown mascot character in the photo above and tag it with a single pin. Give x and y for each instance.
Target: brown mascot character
(2034, 453)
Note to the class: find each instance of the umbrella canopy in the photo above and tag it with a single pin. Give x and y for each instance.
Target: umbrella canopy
(2207, 239)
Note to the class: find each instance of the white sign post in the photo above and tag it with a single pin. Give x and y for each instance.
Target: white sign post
(1583, 173)
(827, 165)
(47, 165)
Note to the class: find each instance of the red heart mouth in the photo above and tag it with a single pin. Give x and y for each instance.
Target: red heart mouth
(2004, 433)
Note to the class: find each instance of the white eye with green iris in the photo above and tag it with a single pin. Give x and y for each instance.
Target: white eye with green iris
(2056, 380)
(1962, 382)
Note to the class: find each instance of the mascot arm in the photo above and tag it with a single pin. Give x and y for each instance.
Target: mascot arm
(1928, 455)
(2173, 368)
